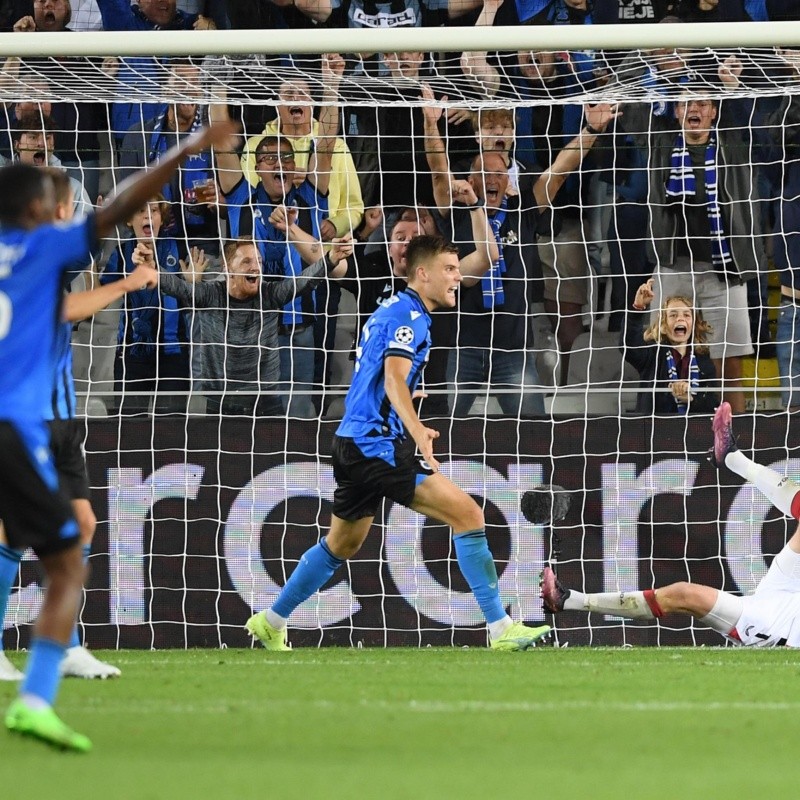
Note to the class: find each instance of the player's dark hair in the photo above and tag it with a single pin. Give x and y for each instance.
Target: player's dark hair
(423, 249)
(20, 185)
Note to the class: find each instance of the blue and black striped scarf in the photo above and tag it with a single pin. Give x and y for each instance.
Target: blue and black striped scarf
(693, 377)
(492, 281)
(681, 184)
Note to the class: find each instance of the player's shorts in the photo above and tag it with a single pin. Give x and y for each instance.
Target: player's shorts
(771, 616)
(35, 511)
(363, 481)
(66, 442)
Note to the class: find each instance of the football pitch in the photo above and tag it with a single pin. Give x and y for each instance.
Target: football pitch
(430, 723)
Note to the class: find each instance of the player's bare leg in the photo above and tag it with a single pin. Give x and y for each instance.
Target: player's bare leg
(65, 573)
(439, 498)
(345, 537)
(783, 493)
(316, 566)
(78, 661)
(32, 713)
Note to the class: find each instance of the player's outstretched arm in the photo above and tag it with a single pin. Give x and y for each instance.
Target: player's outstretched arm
(142, 186)
(81, 305)
(396, 369)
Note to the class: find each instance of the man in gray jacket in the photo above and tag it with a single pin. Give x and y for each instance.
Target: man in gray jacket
(704, 225)
(238, 325)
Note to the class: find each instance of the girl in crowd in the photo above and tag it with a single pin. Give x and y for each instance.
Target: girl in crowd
(670, 353)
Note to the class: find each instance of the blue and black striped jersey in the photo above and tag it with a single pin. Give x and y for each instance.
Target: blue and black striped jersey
(400, 327)
(32, 265)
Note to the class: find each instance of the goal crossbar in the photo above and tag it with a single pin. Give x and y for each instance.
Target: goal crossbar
(320, 40)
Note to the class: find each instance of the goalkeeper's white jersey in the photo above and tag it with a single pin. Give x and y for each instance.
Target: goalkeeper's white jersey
(771, 616)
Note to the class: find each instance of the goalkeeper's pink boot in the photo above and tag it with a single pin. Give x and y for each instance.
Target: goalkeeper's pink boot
(553, 594)
(724, 440)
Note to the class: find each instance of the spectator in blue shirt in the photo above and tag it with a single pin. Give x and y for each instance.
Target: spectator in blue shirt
(250, 210)
(153, 334)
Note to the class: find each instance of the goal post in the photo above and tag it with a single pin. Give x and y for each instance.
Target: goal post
(203, 515)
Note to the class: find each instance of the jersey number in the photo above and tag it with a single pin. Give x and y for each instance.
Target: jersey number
(360, 348)
(6, 312)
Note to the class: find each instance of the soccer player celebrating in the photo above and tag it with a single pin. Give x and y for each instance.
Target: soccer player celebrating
(770, 617)
(65, 441)
(34, 255)
(374, 456)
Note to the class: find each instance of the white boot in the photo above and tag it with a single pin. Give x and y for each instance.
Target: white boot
(78, 662)
(8, 672)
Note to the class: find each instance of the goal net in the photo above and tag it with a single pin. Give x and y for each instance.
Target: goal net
(590, 174)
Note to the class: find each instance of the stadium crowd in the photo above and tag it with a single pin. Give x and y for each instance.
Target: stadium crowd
(546, 201)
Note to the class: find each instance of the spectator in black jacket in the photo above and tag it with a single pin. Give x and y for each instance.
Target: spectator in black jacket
(670, 354)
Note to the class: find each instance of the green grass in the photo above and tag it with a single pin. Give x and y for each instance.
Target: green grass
(434, 723)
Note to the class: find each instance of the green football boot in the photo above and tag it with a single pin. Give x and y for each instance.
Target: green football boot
(270, 637)
(42, 723)
(520, 637)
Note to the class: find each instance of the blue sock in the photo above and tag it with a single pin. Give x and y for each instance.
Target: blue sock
(314, 570)
(9, 567)
(74, 639)
(477, 566)
(42, 671)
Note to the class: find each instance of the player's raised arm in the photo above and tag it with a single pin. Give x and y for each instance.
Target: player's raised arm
(396, 371)
(81, 305)
(136, 190)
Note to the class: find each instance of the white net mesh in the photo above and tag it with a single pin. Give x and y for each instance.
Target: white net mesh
(204, 516)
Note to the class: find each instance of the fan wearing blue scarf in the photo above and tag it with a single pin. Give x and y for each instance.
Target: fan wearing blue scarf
(703, 228)
(492, 333)
(152, 354)
(670, 353)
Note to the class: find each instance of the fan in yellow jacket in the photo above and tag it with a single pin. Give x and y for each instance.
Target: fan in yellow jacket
(345, 205)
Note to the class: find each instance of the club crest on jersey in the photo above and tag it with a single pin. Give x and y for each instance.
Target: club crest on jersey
(404, 335)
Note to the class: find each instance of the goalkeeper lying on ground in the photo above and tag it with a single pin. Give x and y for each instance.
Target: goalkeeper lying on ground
(770, 617)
